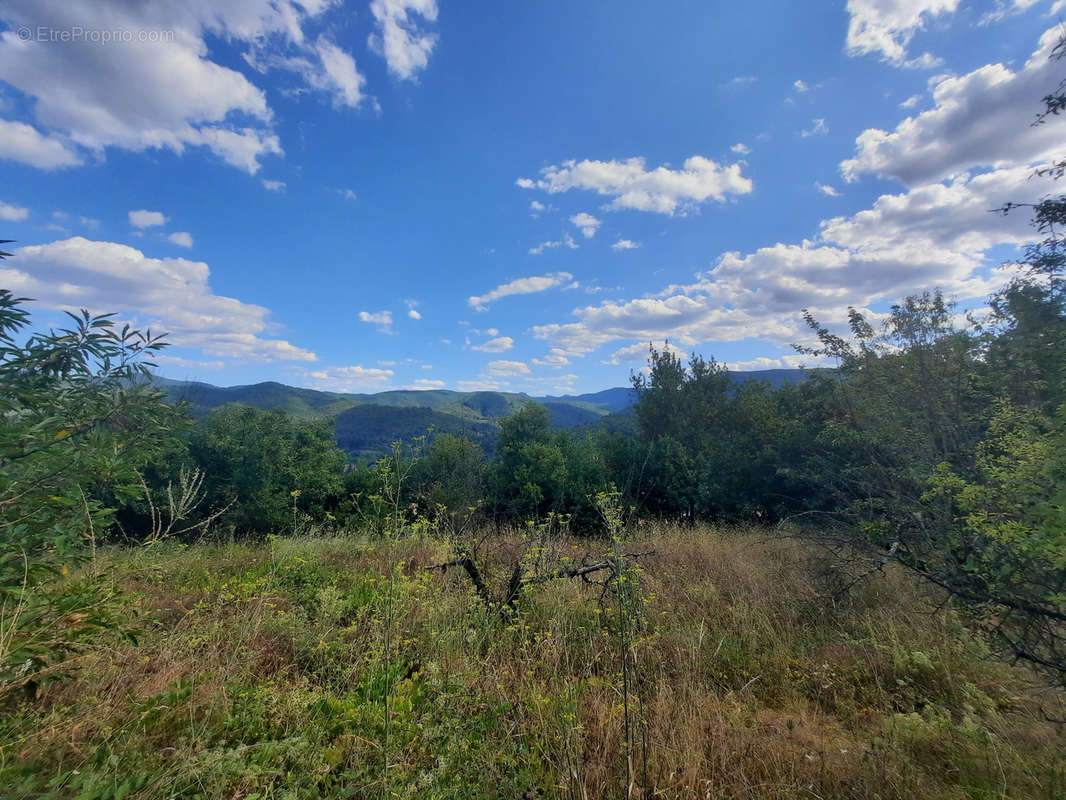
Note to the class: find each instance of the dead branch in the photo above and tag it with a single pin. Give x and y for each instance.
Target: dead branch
(518, 582)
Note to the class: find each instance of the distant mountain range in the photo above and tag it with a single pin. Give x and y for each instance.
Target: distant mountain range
(367, 424)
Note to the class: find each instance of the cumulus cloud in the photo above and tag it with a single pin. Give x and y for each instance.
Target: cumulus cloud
(499, 344)
(166, 294)
(180, 238)
(147, 219)
(503, 369)
(160, 89)
(13, 213)
(355, 378)
(383, 319)
(625, 244)
(886, 27)
(531, 285)
(977, 120)
(399, 38)
(630, 185)
(556, 357)
(25, 144)
(587, 223)
(935, 235)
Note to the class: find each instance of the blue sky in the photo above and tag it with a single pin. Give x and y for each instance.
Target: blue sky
(360, 196)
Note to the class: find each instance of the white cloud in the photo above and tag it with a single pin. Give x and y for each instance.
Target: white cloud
(355, 378)
(632, 186)
(12, 213)
(383, 319)
(765, 362)
(481, 386)
(504, 369)
(338, 75)
(740, 149)
(587, 223)
(399, 39)
(625, 244)
(1007, 8)
(886, 27)
(801, 86)
(638, 353)
(25, 144)
(741, 81)
(826, 189)
(978, 120)
(818, 128)
(274, 186)
(147, 219)
(566, 241)
(955, 216)
(935, 235)
(537, 283)
(165, 294)
(180, 238)
(160, 89)
(555, 357)
(500, 344)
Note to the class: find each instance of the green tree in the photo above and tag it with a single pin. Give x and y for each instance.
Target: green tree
(272, 462)
(529, 477)
(78, 421)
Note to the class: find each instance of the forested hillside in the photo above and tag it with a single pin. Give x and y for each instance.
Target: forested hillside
(368, 424)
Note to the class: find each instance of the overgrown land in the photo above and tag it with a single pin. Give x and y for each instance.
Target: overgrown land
(850, 587)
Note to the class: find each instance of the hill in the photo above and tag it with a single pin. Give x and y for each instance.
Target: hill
(368, 423)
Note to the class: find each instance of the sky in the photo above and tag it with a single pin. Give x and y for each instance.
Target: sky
(361, 196)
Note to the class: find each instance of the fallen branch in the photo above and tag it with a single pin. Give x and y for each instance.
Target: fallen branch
(517, 582)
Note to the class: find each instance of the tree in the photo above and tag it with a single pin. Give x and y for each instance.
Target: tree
(272, 462)
(78, 421)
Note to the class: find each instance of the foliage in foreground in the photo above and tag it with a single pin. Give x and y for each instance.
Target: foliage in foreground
(262, 672)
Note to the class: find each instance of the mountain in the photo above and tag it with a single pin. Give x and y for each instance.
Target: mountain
(367, 424)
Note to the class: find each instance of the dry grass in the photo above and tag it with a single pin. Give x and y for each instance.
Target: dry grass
(260, 674)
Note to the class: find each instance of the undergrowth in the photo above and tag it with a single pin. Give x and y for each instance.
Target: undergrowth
(260, 671)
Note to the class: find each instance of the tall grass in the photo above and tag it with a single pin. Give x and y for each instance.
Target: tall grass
(718, 670)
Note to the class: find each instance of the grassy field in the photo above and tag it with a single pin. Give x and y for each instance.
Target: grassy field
(263, 671)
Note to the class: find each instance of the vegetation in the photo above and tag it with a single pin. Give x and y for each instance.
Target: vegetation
(260, 673)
